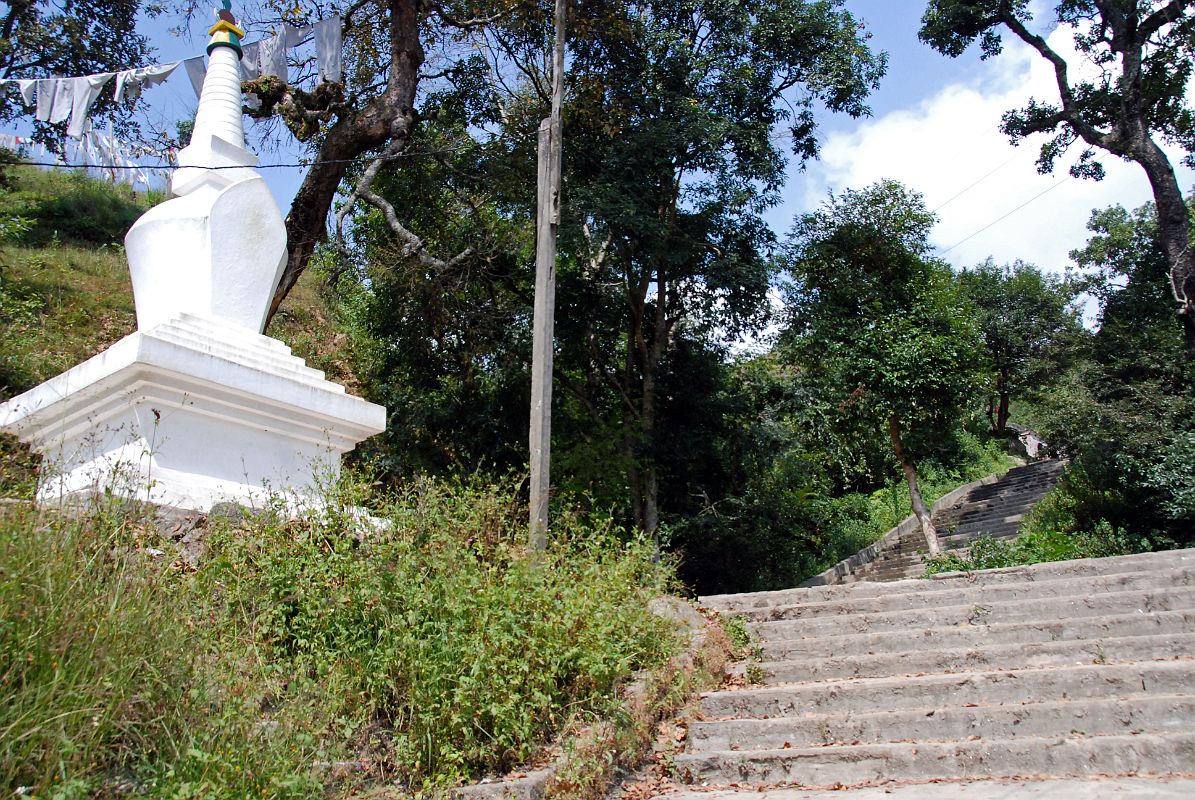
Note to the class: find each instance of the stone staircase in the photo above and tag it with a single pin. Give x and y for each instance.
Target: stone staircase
(993, 509)
(1066, 670)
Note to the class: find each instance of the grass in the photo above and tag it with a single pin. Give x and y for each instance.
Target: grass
(65, 293)
(296, 659)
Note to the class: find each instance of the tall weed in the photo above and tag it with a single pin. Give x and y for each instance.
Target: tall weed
(436, 637)
(421, 648)
(104, 691)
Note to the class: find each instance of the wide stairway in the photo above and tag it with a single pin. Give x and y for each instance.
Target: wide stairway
(995, 510)
(1008, 677)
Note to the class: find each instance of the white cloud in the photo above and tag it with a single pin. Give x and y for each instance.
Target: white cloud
(950, 141)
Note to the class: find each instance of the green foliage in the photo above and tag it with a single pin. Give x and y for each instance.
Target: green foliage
(469, 652)
(879, 331)
(670, 163)
(737, 630)
(104, 691)
(432, 649)
(1029, 326)
(445, 347)
(18, 469)
(1034, 548)
(1126, 415)
(68, 207)
(774, 507)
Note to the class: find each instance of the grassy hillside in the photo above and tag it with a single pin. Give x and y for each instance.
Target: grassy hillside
(65, 293)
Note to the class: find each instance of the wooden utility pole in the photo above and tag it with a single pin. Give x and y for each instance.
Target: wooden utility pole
(547, 218)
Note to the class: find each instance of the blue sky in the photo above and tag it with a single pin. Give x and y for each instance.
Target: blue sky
(933, 127)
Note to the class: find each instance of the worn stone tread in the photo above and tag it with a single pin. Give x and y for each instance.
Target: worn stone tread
(1062, 587)
(1143, 562)
(1094, 717)
(972, 612)
(997, 687)
(1056, 755)
(1089, 788)
(1062, 671)
(901, 641)
(1119, 650)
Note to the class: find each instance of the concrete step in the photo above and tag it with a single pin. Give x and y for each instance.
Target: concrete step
(1097, 788)
(1121, 650)
(983, 758)
(978, 613)
(1142, 562)
(1094, 717)
(1183, 576)
(990, 688)
(973, 636)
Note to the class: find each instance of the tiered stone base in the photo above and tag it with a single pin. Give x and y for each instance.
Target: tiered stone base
(188, 414)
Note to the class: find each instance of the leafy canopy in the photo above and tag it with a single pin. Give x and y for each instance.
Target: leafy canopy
(878, 327)
(81, 37)
(1028, 323)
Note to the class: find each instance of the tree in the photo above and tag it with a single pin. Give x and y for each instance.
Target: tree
(357, 126)
(1127, 416)
(1144, 51)
(82, 37)
(879, 329)
(1028, 323)
(445, 346)
(664, 254)
(672, 160)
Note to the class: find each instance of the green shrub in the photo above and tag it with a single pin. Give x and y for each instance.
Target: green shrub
(432, 650)
(438, 628)
(1035, 548)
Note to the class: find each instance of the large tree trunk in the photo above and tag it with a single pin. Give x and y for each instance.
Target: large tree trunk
(638, 515)
(1174, 230)
(919, 508)
(386, 118)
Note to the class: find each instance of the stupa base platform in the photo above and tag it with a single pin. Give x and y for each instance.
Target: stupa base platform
(189, 414)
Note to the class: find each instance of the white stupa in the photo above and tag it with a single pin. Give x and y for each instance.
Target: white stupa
(197, 406)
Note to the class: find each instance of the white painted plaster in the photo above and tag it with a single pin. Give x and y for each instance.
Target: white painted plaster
(238, 417)
(198, 407)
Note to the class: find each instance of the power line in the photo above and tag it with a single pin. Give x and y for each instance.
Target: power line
(297, 165)
(1005, 216)
(976, 183)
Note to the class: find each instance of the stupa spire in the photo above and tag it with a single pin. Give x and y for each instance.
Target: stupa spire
(226, 32)
(218, 139)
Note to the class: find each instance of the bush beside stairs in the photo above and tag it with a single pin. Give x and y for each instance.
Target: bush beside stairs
(1075, 668)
